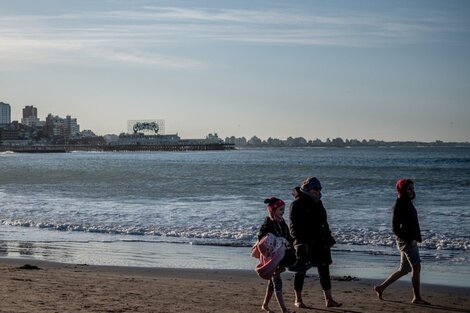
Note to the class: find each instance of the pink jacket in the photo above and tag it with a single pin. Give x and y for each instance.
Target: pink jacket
(270, 251)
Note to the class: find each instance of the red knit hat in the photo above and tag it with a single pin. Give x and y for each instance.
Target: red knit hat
(402, 185)
(273, 203)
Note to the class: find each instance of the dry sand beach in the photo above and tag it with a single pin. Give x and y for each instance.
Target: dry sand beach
(56, 287)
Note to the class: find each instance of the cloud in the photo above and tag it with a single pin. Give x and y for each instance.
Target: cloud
(150, 59)
(136, 36)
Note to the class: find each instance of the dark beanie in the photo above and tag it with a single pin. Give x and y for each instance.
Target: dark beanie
(310, 183)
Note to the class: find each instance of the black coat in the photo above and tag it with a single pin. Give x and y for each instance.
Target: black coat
(405, 221)
(309, 226)
(277, 229)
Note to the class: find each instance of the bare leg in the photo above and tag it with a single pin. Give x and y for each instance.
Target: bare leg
(325, 282)
(299, 278)
(390, 280)
(415, 281)
(282, 303)
(267, 298)
(298, 299)
(329, 302)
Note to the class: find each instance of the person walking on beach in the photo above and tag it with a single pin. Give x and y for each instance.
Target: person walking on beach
(406, 229)
(312, 239)
(276, 225)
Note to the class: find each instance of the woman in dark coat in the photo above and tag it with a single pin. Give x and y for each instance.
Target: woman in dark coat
(312, 239)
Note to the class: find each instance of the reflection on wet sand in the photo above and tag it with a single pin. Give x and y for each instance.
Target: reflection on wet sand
(3, 248)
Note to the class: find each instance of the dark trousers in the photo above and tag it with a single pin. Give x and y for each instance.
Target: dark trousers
(323, 272)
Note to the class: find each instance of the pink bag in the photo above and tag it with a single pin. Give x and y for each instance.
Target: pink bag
(270, 251)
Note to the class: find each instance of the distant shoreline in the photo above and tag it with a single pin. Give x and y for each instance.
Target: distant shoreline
(211, 147)
(114, 148)
(367, 145)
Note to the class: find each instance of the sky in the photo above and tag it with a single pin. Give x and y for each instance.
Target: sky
(385, 70)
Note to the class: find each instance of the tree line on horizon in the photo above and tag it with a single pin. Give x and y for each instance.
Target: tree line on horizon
(335, 142)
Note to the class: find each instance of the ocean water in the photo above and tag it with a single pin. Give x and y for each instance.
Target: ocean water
(204, 209)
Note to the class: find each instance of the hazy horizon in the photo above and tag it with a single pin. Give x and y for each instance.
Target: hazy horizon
(367, 69)
(264, 139)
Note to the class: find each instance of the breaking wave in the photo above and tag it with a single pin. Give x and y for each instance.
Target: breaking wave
(237, 238)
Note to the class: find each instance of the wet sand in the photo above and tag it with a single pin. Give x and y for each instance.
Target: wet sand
(57, 287)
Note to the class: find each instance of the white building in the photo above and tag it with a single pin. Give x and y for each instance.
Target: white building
(31, 121)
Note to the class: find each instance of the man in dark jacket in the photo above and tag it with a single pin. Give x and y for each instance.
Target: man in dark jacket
(312, 239)
(405, 226)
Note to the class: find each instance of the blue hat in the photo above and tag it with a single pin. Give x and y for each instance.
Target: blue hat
(310, 183)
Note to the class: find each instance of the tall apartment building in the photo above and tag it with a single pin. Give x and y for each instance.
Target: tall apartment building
(30, 111)
(30, 116)
(5, 114)
(71, 126)
(57, 127)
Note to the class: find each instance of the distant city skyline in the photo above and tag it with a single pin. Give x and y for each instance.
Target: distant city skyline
(30, 119)
(366, 69)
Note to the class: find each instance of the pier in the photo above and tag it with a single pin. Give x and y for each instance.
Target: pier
(118, 148)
